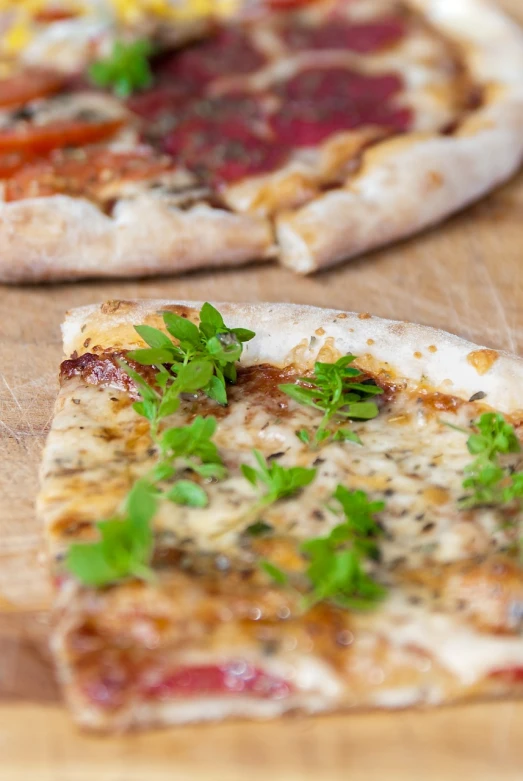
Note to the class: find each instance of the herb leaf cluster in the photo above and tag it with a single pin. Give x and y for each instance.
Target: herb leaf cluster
(487, 481)
(335, 568)
(278, 482)
(126, 69)
(333, 390)
(211, 343)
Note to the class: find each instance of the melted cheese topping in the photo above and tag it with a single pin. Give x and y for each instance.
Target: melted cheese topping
(453, 614)
(409, 458)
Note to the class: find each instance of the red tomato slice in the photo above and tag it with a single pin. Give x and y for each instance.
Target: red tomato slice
(29, 85)
(86, 176)
(209, 679)
(39, 140)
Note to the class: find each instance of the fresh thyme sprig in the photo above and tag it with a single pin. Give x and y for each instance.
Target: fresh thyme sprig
(126, 70)
(333, 390)
(487, 481)
(335, 569)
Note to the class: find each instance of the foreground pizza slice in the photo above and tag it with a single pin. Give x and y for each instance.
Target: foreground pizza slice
(258, 509)
(309, 131)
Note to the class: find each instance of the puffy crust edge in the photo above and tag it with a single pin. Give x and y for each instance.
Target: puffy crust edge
(414, 181)
(293, 333)
(60, 237)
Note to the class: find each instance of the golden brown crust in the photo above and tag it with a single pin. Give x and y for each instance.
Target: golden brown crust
(57, 238)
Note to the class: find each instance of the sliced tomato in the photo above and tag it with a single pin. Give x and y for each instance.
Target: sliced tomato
(86, 175)
(29, 85)
(237, 678)
(38, 140)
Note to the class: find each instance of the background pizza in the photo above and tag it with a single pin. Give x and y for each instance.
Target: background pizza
(308, 135)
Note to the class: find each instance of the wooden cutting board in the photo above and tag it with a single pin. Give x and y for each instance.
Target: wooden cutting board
(467, 277)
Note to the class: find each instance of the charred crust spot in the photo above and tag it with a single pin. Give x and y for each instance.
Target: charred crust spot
(103, 370)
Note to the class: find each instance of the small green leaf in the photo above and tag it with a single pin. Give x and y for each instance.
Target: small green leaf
(211, 318)
(217, 391)
(195, 376)
(153, 337)
(188, 493)
(151, 356)
(274, 572)
(126, 69)
(146, 409)
(225, 348)
(362, 410)
(210, 471)
(182, 329)
(243, 334)
(346, 435)
(141, 503)
(89, 565)
(304, 436)
(249, 473)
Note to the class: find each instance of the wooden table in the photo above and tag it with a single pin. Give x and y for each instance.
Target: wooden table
(466, 277)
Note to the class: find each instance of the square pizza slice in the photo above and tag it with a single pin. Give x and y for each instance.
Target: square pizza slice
(260, 509)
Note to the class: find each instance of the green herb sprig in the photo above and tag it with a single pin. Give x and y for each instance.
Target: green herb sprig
(333, 390)
(335, 569)
(279, 482)
(210, 342)
(125, 546)
(126, 70)
(487, 481)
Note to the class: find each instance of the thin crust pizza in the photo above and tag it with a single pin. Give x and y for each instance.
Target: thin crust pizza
(309, 132)
(260, 509)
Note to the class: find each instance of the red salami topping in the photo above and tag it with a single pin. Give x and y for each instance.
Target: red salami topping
(228, 52)
(341, 34)
(319, 103)
(332, 85)
(225, 139)
(159, 101)
(237, 678)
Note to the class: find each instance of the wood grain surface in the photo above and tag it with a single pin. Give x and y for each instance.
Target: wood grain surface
(466, 277)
